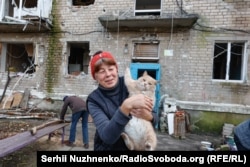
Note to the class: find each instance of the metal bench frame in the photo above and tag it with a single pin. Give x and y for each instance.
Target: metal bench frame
(20, 140)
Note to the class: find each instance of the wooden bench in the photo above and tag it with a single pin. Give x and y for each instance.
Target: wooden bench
(20, 140)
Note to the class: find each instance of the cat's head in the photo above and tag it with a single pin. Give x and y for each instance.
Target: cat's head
(146, 82)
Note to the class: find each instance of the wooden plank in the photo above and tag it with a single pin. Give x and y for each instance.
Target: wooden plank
(17, 99)
(18, 141)
(34, 130)
(25, 99)
(7, 102)
(2, 103)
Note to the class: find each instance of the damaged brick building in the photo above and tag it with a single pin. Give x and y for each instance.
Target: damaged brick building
(197, 49)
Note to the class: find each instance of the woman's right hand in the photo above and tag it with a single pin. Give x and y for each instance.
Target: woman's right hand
(139, 101)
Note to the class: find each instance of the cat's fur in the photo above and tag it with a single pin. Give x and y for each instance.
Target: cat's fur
(139, 134)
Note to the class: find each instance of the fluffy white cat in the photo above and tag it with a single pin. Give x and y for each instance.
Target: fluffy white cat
(139, 134)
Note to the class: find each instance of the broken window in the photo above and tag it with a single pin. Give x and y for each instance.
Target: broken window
(147, 7)
(17, 57)
(82, 2)
(229, 61)
(6, 9)
(29, 9)
(25, 3)
(79, 58)
(146, 51)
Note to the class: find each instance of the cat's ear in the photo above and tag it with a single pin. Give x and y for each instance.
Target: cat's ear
(145, 73)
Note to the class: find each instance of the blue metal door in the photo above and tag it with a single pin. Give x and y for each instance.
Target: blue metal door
(154, 71)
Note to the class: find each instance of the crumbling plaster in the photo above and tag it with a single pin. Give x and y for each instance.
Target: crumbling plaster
(185, 76)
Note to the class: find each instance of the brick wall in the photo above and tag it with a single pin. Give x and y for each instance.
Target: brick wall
(186, 76)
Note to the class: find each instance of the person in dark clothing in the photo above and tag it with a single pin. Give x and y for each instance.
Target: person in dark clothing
(78, 108)
(242, 136)
(110, 106)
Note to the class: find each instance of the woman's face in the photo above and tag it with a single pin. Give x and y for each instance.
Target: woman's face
(107, 76)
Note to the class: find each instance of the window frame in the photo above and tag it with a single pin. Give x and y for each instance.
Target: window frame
(147, 10)
(5, 56)
(155, 42)
(243, 77)
(84, 65)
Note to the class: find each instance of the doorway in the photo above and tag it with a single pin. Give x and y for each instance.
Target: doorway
(154, 70)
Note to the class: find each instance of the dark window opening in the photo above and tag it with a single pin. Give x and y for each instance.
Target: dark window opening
(228, 61)
(27, 3)
(152, 73)
(79, 58)
(147, 7)
(83, 2)
(20, 58)
(147, 13)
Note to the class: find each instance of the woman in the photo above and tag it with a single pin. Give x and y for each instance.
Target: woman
(242, 136)
(109, 105)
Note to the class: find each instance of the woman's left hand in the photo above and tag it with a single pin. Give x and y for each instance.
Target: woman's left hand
(142, 113)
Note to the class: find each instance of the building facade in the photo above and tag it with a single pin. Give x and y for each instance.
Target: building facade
(197, 49)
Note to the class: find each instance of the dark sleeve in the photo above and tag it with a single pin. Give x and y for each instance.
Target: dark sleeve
(155, 118)
(108, 129)
(63, 110)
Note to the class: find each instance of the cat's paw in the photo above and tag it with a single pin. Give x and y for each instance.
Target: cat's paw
(124, 136)
(149, 147)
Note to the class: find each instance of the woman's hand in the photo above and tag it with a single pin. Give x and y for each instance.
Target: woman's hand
(138, 102)
(142, 113)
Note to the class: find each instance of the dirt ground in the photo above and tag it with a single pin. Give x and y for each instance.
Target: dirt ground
(11, 125)
(26, 157)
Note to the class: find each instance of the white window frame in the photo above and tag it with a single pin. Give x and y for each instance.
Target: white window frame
(42, 10)
(2, 5)
(148, 11)
(244, 61)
